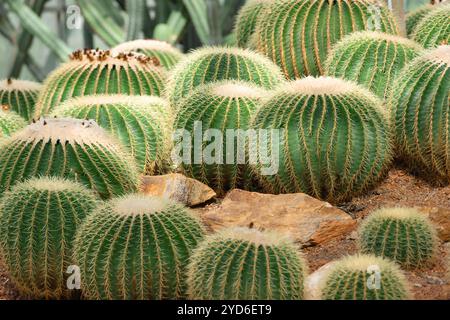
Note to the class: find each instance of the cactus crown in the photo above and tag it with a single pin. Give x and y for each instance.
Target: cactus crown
(235, 90)
(147, 44)
(108, 57)
(20, 85)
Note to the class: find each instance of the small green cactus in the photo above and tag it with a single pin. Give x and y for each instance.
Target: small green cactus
(10, 122)
(20, 96)
(434, 29)
(136, 247)
(414, 17)
(372, 59)
(70, 148)
(246, 264)
(247, 19)
(400, 234)
(364, 277)
(91, 72)
(38, 221)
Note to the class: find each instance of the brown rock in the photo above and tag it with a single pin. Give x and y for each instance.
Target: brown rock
(441, 219)
(315, 280)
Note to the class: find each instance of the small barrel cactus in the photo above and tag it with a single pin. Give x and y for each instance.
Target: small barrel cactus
(364, 277)
(421, 114)
(298, 34)
(434, 29)
(400, 234)
(20, 96)
(246, 264)
(208, 65)
(247, 19)
(142, 124)
(372, 59)
(70, 148)
(136, 247)
(331, 139)
(415, 17)
(38, 221)
(91, 72)
(10, 122)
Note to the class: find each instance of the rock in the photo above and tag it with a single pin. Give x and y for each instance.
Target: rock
(353, 235)
(441, 219)
(307, 220)
(434, 280)
(178, 188)
(314, 281)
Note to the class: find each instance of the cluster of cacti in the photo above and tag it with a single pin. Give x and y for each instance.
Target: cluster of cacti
(372, 59)
(136, 247)
(10, 122)
(298, 34)
(38, 221)
(421, 114)
(75, 149)
(247, 19)
(364, 277)
(91, 72)
(247, 264)
(20, 96)
(434, 29)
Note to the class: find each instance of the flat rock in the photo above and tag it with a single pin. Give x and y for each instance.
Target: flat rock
(441, 219)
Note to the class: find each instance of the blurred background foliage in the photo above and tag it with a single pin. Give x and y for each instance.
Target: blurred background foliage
(36, 35)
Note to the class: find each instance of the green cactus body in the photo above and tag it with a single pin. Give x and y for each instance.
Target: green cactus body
(70, 148)
(333, 141)
(208, 65)
(421, 114)
(167, 55)
(298, 34)
(364, 277)
(136, 247)
(10, 122)
(227, 107)
(20, 96)
(400, 234)
(92, 72)
(434, 29)
(246, 264)
(142, 124)
(415, 17)
(372, 59)
(247, 19)
(38, 221)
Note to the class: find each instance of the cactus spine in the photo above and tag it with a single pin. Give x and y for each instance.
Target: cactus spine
(38, 220)
(20, 96)
(434, 29)
(246, 264)
(247, 19)
(10, 122)
(136, 247)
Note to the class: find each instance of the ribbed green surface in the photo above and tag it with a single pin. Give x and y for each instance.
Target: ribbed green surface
(413, 18)
(298, 34)
(247, 19)
(434, 29)
(20, 96)
(75, 149)
(10, 122)
(245, 264)
(38, 221)
(372, 59)
(136, 247)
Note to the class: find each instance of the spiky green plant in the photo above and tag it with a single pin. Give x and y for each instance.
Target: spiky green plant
(246, 21)
(400, 234)
(434, 29)
(372, 59)
(136, 247)
(208, 65)
(333, 139)
(421, 114)
(364, 277)
(246, 264)
(38, 221)
(298, 34)
(70, 148)
(91, 72)
(20, 96)
(142, 124)
(10, 122)
(413, 18)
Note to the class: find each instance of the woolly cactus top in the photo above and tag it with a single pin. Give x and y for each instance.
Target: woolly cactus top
(108, 57)
(397, 213)
(103, 99)
(12, 84)
(236, 89)
(364, 262)
(254, 236)
(440, 54)
(147, 44)
(380, 36)
(137, 205)
(52, 184)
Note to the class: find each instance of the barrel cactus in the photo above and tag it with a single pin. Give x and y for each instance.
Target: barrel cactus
(166, 54)
(70, 148)
(298, 34)
(333, 139)
(142, 124)
(246, 264)
(38, 221)
(247, 19)
(421, 114)
(434, 29)
(10, 122)
(364, 277)
(415, 17)
(136, 247)
(20, 96)
(372, 59)
(91, 72)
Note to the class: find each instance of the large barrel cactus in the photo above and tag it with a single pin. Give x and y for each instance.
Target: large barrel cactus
(421, 114)
(38, 221)
(20, 96)
(10, 122)
(76, 149)
(333, 139)
(136, 247)
(91, 72)
(247, 19)
(415, 17)
(246, 264)
(434, 29)
(372, 59)
(298, 34)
